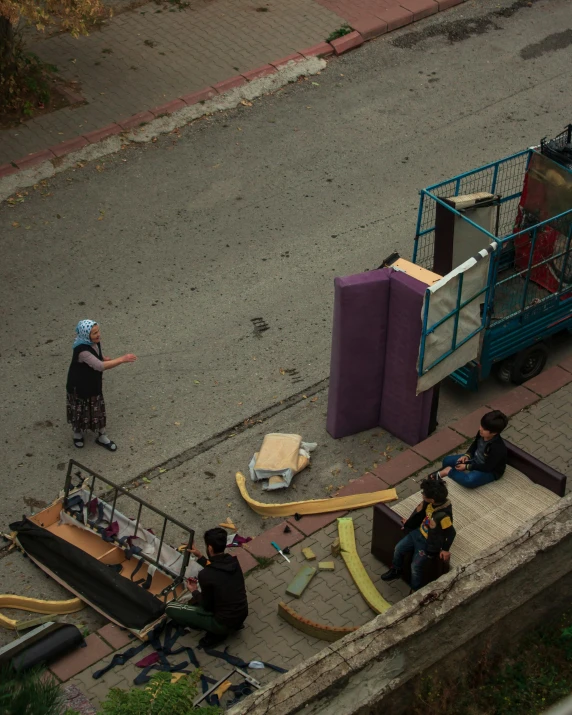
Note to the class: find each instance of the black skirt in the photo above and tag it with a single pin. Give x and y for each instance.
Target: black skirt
(86, 413)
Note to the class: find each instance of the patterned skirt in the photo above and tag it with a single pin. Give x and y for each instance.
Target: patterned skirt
(86, 413)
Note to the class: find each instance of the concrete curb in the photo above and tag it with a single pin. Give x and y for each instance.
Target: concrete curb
(44, 164)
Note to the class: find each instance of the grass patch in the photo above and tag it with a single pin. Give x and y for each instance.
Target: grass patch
(528, 679)
(340, 32)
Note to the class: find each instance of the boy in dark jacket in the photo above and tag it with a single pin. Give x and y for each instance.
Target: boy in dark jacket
(221, 605)
(485, 460)
(432, 533)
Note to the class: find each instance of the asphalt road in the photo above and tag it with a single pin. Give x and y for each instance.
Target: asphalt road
(181, 248)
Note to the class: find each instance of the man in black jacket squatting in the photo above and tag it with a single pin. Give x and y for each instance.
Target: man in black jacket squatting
(221, 606)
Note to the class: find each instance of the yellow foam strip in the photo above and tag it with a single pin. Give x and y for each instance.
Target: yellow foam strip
(314, 506)
(372, 596)
(36, 605)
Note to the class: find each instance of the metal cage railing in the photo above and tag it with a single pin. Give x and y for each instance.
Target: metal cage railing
(75, 469)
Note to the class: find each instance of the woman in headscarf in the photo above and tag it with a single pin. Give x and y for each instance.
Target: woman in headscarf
(85, 405)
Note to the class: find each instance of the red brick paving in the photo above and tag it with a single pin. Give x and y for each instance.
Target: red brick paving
(260, 546)
(442, 442)
(202, 96)
(169, 107)
(549, 381)
(80, 658)
(228, 84)
(514, 401)
(469, 425)
(324, 49)
(108, 131)
(247, 561)
(364, 485)
(136, 120)
(347, 42)
(34, 159)
(115, 636)
(263, 71)
(69, 146)
(310, 524)
(401, 466)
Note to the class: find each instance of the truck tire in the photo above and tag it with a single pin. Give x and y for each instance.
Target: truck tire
(524, 365)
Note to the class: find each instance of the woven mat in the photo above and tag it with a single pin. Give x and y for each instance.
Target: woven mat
(486, 515)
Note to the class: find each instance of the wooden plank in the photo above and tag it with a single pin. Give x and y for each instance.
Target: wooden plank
(326, 566)
(298, 584)
(309, 554)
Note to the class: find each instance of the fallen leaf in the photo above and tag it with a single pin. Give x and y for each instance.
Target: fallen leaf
(240, 403)
(305, 397)
(246, 103)
(146, 480)
(161, 470)
(314, 399)
(197, 382)
(316, 84)
(15, 224)
(176, 423)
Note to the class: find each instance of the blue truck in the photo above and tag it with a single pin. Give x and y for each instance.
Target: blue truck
(511, 222)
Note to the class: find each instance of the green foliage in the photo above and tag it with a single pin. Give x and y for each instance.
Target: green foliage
(24, 79)
(340, 32)
(529, 679)
(160, 697)
(29, 694)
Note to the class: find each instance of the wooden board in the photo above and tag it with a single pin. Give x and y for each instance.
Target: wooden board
(415, 271)
(314, 506)
(298, 585)
(371, 595)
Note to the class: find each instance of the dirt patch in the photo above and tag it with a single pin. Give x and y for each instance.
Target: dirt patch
(551, 43)
(460, 30)
(61, 95)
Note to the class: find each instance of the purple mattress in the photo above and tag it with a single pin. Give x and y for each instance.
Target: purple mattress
(358, 352)
(403, 413)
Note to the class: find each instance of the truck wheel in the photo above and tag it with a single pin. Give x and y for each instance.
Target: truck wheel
(528, 363)
(504, 371)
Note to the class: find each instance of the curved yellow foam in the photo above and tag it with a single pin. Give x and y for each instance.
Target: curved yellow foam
(371, 595)
(314, 506)
(311, 628)
(36, 605)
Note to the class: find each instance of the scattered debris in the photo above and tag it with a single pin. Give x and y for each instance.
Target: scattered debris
(228, 524)
(326, 565)
(281, 456)
(336, 548)
(309, 554)
(299, 583)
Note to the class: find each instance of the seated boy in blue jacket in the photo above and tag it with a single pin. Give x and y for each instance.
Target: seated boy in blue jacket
(485, 460)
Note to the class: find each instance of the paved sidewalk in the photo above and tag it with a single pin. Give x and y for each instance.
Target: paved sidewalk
(152, 55)
(541, 424)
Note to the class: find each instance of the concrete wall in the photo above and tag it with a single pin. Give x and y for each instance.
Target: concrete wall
(512, 587)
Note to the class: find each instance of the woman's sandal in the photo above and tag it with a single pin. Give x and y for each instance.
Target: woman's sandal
(111, 446)
(78, 442)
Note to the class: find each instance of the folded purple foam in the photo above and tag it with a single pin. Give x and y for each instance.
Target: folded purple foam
(358, 352)
(403, 413)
